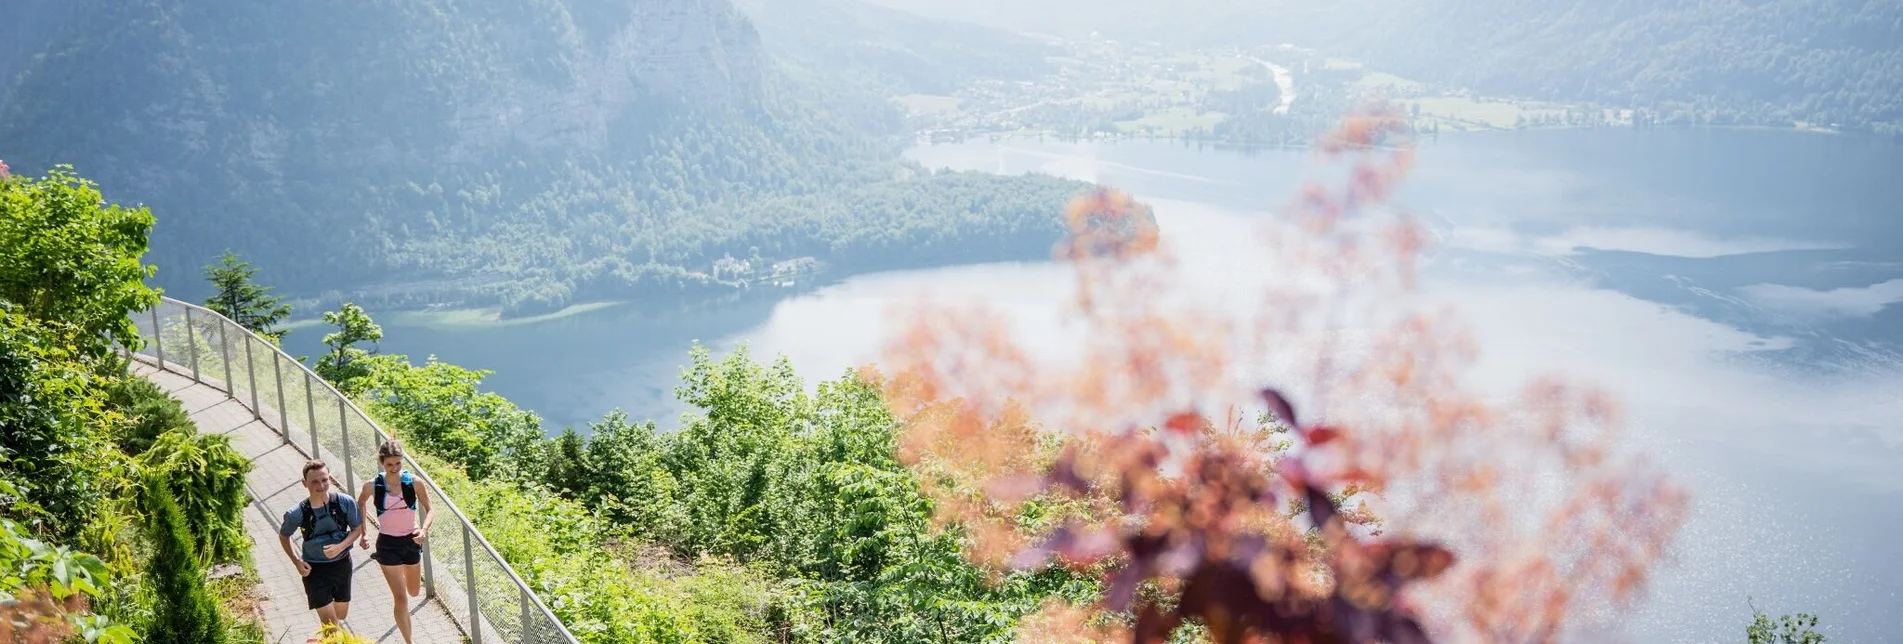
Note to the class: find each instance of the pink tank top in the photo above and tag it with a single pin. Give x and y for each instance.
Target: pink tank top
(398, 519)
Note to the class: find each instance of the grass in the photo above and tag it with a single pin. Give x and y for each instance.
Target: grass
(240, 597)
(1230, 72)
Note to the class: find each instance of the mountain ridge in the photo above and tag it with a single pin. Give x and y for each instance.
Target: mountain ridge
(575, 148)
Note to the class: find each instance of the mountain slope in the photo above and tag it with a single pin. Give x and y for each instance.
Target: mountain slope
(1748, 60)
(893, 52)
(530, 150)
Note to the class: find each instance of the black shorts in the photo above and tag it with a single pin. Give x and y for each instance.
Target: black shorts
(398, 551)
(328, 582)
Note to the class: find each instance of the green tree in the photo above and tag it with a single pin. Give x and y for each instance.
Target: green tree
(439, 408)
(354, 326)
(246, 302)
(618, 470)
(185, 612)
(67, 256)
(1788, 629)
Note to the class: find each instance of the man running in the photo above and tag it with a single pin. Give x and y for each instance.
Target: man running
(329, 523)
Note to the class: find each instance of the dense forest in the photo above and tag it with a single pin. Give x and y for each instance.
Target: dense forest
(1729, 61)
(890, 52)
(530, 153)
(1721, 61)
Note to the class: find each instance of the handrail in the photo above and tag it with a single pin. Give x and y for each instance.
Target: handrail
(531, 600)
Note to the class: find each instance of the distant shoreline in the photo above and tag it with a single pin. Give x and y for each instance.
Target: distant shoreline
(1256, 147)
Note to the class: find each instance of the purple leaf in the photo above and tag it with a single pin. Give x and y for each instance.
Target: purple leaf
(1321, 509)
(1064, 475)
(1280, 406)
(1404, 630)
(1124, 587)
(1244, 550)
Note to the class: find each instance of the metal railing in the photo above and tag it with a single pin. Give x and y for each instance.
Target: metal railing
(485, 596)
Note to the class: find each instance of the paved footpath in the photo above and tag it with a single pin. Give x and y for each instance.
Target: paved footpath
(274, 479)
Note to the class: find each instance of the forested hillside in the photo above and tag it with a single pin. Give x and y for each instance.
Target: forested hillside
(1771, 61)
(892, 52)
(524, 151)
(1823, 61)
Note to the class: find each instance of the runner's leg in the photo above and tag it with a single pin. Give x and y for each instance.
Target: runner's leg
(413, 575)
(400, 604)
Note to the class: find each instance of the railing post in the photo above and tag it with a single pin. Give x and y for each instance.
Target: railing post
(224, 352)
(343, 420)
(158, 334)
(429, 570)
(191, 344)
(469, 583)
(251, 378)
(524, 594)
(284, 417)
(310, 414)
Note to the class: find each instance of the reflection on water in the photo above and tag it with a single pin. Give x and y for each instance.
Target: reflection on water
(1738, 290)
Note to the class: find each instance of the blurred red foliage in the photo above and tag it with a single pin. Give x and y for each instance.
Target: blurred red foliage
(34, 618)
(1161, 459)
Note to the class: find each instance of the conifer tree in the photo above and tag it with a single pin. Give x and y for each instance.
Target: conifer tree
(185, 612)
(244, 301)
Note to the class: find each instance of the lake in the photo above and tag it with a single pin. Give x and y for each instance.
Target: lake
(1740, 291)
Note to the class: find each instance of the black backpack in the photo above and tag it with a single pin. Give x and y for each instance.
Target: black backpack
(409, 492)
(332, 506)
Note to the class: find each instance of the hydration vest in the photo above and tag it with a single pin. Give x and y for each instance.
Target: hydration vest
(409, 492)
(333, 506)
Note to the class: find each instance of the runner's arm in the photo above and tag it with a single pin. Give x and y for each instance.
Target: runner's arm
(429, 511)
(284, 541)
(356, 530)
(363, 497)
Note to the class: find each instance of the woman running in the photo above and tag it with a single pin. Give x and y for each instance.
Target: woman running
(399, 535)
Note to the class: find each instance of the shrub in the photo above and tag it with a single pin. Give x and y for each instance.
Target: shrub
(148, 412)
(598, 592)
(185, 612)
(45, 591)
(49, 428)
(206, 476)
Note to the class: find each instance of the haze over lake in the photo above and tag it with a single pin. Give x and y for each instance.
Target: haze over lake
(1738, 290)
